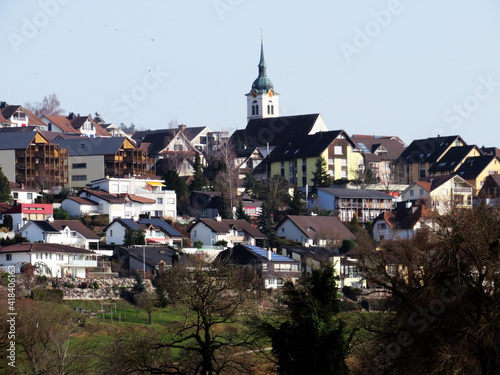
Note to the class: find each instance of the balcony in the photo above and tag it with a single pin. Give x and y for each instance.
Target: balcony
(82, 263)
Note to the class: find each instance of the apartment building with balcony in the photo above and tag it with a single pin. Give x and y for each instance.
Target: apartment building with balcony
(31, 159)
(96, 158)
(366, 204)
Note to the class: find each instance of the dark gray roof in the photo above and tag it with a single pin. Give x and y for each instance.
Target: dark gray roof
(91, 146)
(16, 140)
(152, 255)
(305, 146)
(191, 133)
(45, 226)
(428, 150)
(260, 132)
(163, 225)
(451, 160)
(355, 193)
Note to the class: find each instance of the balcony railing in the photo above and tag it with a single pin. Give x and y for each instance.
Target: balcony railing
(82, 263)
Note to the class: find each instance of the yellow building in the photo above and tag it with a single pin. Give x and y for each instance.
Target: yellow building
(416, 160)
(475, 169)
(295, 159)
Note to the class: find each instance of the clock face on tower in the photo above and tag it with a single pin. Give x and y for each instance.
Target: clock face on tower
(270, 93)
(254, 93)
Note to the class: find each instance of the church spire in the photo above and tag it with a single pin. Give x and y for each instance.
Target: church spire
(262, 100)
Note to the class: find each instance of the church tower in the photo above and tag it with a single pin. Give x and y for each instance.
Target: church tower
(262, 100)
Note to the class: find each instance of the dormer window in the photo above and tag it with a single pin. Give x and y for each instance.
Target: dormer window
(19, 115)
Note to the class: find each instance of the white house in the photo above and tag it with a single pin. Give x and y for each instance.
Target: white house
(161, 203)
(64, 232)
(23, 194)
(49, 259)
(155, 231)
(401, 224)
(211, 231)
(314, 230)
(77, 206)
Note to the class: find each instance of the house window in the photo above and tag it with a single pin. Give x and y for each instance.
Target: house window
(79, 165)
(279, 281)
(412, 193)
(30, 195)
(16, 195)
(111, 232)
(421, 191)
(8, 257)
(81, 177)
(338, 150)
(159, 200)
(382, 226)
(264, 266)
(343, 174)
(73, 234)
(343, 162)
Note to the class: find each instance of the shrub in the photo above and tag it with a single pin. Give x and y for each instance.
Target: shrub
(95, 285)
(47, 295)
(83, 285)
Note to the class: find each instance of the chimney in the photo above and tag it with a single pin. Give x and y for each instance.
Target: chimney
(22, 186)
(269, 254)
(71, 115)
(182, 127)
(3, 104)
(218, 218)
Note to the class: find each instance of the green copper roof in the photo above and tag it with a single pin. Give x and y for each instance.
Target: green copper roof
(262, 84)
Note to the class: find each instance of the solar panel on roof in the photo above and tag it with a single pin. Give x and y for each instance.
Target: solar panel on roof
(163, 225)
(364, 148)
(130, 223)
(263, 253)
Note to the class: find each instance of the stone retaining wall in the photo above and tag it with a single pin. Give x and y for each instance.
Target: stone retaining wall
(108, 288)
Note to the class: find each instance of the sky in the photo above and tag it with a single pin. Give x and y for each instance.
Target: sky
(414, 69)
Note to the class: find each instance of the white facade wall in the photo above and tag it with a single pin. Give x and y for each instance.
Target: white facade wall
(115, 234)
(290, 231)
(18, 259)
(67, 237)
(200, 232)
(74, 209)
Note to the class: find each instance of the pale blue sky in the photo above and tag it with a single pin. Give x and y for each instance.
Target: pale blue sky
(425, 67)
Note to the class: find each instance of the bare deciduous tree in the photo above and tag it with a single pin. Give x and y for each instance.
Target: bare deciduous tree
(49, 105)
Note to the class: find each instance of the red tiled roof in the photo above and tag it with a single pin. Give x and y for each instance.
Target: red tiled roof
(33, 119)
(313, 225)
(224, 225)
(14, 186)
(136, 198)
(27, 247)
(104, 195)
(5, 207)
(81, 200)
(63, 123)
(99, 130)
